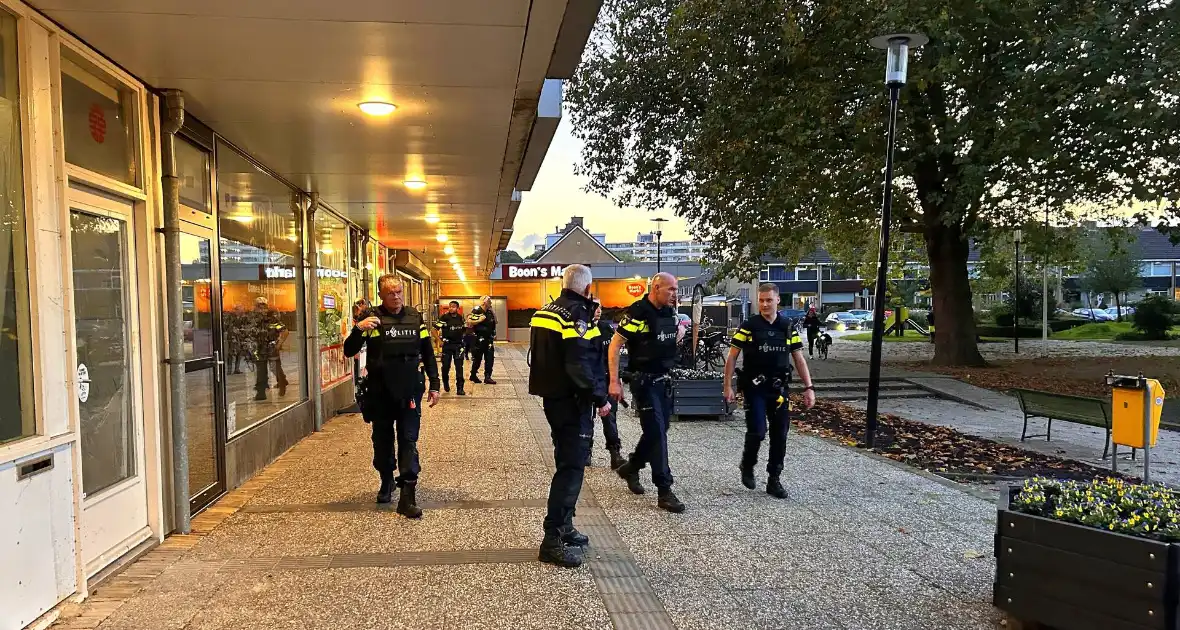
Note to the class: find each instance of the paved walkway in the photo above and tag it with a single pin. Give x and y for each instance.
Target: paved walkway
(862, 543)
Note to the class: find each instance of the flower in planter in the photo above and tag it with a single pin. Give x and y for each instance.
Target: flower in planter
(1146, 511)
(686, 374)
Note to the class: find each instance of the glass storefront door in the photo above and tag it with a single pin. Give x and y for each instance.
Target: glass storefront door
(202, 361)
(110, 422)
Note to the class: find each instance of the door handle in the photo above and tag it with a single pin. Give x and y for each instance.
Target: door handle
(217, 362)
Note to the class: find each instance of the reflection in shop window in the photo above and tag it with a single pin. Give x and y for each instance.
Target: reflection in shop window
(262, 318)
(99, 120)
(16, 387)
(330, 238)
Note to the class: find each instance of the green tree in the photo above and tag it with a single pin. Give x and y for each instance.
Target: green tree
(1112, 264)
(509, 256)
(762, 122)
(626, 257)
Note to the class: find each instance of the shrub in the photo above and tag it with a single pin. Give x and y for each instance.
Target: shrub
(1002, 314)
(1153, 317)
(1146, 511)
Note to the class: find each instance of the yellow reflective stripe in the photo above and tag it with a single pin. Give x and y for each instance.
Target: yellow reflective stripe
(593, 332)
(553, 316)
(424, 334)
(633, 326)
(569, 333)
(547, 324)
(795, 338)
(376, 332)
(742, 335)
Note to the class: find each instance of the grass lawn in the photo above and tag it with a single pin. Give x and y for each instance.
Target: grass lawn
(910, 335)
(1095, 331)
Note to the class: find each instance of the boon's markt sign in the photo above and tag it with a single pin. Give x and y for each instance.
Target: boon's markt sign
(531, 272)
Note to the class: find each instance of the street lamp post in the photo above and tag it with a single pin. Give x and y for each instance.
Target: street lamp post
(1016, 295)
(898, 46)
(659, 234)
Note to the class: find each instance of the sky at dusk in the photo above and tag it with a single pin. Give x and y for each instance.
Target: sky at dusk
(558, 194)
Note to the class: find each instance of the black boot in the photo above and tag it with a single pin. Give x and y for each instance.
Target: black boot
(461, 392)
(669, 502)
(489, 380)
(775, 488)
(385, 493)
(406, 505)
(616, 458)
(553, 551)
(749, 459)
(630, 473)
(571, 536)
(474, 379)
(447, 386)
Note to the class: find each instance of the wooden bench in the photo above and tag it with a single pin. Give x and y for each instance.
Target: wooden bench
(1093, 412)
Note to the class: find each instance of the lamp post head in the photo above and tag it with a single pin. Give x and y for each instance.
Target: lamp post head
(1017, 235)
(898, 46)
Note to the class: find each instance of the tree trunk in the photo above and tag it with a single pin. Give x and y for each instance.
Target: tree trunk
(1118, 308)
(954, 332)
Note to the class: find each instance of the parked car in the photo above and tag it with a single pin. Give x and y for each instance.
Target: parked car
(1095, 314)
(861, 313)
(1114, 312)
(844, 320)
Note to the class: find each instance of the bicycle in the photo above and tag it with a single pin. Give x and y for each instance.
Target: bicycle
(822, 344)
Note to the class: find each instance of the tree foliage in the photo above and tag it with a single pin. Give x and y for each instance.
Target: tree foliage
(508, 256)
(1153, 317)
(1112, 264)
(762, 122)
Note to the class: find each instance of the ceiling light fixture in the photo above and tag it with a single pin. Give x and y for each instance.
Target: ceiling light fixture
(432, 219)
(377, 108)
(243, 218)
(442, 238)
(448, 250)
(415, 184)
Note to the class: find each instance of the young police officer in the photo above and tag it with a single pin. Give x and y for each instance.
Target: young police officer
(769, 343)
(610, 425)
(396, 342)
(451, 328)
(483, 324)
(649, 330)
(563, 373)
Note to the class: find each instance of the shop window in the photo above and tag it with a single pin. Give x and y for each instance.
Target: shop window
(262, 317)
(99, 120)
(330, 238)
(16, 388)
(193, 166)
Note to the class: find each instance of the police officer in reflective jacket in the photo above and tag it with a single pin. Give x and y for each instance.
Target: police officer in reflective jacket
(451, 328)
(483, 324)
(564, 375)
(397, 343)
(649, 329)
(769, 343)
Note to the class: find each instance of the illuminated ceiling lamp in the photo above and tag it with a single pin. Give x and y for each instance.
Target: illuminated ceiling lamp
(432, 219)
(377, 108)
(442, 238)
(448, 250)
(454, 260)
(415, 184)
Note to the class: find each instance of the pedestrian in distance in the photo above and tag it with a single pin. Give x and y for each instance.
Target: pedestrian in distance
(649, 330)
(483, 323)
(610, 425)
(769, 344)
(812, 324)
(564, 373)
(398, 348)
(451, 328)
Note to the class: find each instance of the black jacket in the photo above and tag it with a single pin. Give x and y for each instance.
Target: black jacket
(565, 361)
(484, 327)
(811, 323)
(451, 327)
(396, 349)
(606, 332)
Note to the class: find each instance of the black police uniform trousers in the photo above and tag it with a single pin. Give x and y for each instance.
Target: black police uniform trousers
(653, 402)
(610, 425)
(395, 433)
(763, 412)
(571, 428)
(452, 352)
(485, 352)
(262, 377)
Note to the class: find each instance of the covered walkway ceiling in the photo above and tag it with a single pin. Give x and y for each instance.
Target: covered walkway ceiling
(282, 79)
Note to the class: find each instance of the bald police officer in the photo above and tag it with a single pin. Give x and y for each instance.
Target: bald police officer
(483, 324)
(564, 375)
(397, 343)
(768, 344)
(649, 330)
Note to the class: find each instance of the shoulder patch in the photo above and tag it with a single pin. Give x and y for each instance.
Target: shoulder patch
(581, 327)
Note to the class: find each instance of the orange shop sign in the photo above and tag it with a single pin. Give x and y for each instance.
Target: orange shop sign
(636, 289)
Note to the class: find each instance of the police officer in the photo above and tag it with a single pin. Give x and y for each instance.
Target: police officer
(649, 330)
(396, 342)
(610, 425)
(451, 328)
(564, 375)
(270, 334)
(483, 324)
(769, 343)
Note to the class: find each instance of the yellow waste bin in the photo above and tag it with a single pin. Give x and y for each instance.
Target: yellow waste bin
(1127, 401)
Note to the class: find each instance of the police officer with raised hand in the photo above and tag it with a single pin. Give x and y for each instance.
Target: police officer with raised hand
(769, 343)
(452, 327)
(564, 375)
(610, 424)
(649, 329)
(483, 324)
(397, 343)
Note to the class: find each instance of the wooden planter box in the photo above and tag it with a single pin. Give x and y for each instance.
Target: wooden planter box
(1072, 577)
(698, 398)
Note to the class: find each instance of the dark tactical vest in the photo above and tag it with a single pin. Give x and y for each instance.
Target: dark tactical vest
(771, 351)
(655, 351)
(395, 351)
